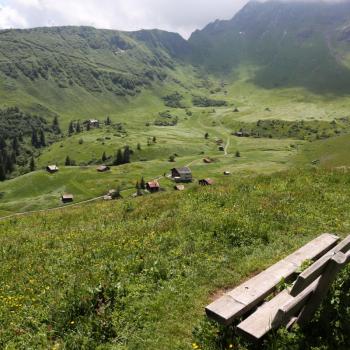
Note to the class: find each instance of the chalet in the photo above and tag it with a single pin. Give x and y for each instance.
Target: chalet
(179, 187)
(153, 186)
(94, 123)
(227, 173)
(52, 169)
(67, 198)
(181, 174)
(103, 168)
(207, 160)
(219, 142)
(206, 182)
(238, 134)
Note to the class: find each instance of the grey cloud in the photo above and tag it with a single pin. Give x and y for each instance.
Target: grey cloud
(180, 16)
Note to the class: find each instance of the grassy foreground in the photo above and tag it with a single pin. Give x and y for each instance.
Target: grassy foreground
(136, 274)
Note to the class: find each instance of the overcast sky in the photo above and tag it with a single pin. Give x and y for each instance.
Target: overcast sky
(182, 16)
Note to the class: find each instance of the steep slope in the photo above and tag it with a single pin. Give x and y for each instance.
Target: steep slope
(288, 43)
(52, 65)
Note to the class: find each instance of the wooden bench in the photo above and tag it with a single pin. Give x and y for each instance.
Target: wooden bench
(285, 308)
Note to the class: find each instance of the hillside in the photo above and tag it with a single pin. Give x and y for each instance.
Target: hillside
(137, 274)
(287, 44)
(83, 71)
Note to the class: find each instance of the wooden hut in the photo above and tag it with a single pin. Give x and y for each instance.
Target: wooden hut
(179, 187)
(153, 186)
(52, 169)
(67, 198)
(103, 168)
(181, 174)
(206, 182)
(207, 160)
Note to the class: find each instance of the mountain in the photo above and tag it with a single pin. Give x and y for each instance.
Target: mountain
(288, 44)
(51, 67)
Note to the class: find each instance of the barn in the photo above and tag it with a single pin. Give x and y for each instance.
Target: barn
(181, 174)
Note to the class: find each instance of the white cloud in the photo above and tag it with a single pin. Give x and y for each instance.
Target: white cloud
(182, 16)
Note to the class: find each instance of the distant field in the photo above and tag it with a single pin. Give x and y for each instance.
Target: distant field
(329, 153)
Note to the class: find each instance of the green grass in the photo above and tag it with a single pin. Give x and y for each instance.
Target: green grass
(329, 153)
(137, 274)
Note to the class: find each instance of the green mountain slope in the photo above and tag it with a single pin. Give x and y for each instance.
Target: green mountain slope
(55, 69)
(289, 44)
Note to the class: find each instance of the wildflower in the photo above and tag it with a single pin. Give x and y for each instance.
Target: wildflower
(72, 322)
(195, 346)
(231, 346)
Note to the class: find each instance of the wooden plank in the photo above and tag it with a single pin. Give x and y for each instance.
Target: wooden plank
(261, 321)
(336, 263)
(316, 269)
(277, 312)
(249, 294)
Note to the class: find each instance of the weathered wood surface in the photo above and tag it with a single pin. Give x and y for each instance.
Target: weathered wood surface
(278, 311)
(337, 262)
(249, 294)
(316, 269)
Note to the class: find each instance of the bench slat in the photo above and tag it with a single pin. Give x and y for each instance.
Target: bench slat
(249, 294)
(274, 313)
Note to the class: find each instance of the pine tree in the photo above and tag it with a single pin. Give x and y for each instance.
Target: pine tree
(32, 164)
(88, 126)
(138, 147)
(108, 121)
(104, 157)
(15, 146)
(35, 142)
(238, 154)
(42, 139)
(154, 139)
(118, 158)
(55, 126)
(67, 161)
(70, 129)
(206, 136)
(143, 184)
(9, 166)
(78, 128)
(2, 144)
(2, 170)
(126, 156)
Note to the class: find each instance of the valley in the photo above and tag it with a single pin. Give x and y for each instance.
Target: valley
(258, 106)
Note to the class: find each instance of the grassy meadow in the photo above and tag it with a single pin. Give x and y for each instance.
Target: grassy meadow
(137, 274)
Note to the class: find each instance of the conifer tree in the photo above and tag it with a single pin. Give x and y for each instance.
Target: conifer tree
(143, 184)
(70, 128)
(35, 142)
(104, 157)
(42, 141)
(55, 126)
(15, 146)
(2, 143)
(2, 170)
(78, 128)
(32, 164)
(67, 161)
(119, 159)
(126, 155)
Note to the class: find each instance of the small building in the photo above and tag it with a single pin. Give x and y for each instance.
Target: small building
(207, 160)
(238, 134)
(181, 174)
(67, 198)
(179, 187)
(227, 173)
(153, 186)
(206, 182)
(103, 168)
(94, 123)
(219, 142)
(52, 169)
(222, 148)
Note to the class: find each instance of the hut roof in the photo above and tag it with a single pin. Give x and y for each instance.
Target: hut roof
(153, 184)
(179, 187)
(103, 168)
(67, 196)
(52, 167)
(183, 171)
